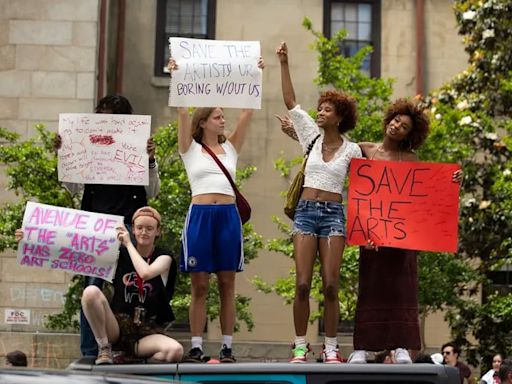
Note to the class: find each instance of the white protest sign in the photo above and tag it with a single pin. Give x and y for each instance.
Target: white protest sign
(99, 148)
(215, 73)
(69, 240)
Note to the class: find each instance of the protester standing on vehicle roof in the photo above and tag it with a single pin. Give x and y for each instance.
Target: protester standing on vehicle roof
(319, 222)
(212, 240)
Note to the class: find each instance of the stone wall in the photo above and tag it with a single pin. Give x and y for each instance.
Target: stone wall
(47, 60)
(48, 52)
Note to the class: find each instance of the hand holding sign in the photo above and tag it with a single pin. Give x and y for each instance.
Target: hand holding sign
(123, 235)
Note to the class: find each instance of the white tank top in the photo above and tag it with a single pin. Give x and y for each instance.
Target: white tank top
(204, 175)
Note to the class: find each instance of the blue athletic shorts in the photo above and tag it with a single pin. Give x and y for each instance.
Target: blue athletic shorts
(212, 239)
(319, 218)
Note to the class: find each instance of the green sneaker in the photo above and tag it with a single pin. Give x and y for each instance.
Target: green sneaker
(300, 353)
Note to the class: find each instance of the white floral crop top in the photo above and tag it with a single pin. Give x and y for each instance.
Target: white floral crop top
(326, 176)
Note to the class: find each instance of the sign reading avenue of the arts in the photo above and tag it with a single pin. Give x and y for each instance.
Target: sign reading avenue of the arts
(70, 240)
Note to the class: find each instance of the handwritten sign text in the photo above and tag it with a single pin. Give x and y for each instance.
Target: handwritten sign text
(67, 239)
(215, 73)
(410, 205)
(104, 148)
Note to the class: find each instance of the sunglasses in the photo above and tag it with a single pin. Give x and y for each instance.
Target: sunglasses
(447, 353)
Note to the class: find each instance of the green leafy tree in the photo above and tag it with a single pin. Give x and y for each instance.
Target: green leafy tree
(31, 167)
(476, 109)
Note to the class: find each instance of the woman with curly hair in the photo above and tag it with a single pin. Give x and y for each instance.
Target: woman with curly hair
(319, 223)
(387, 306)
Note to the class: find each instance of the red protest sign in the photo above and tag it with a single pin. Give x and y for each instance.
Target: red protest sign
(410, 205)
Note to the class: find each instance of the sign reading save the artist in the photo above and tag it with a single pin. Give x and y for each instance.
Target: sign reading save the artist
(215, 73)
(69, 240)
(100, 148)
(410, 205)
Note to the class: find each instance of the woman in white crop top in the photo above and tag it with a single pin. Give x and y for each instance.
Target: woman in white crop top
(212, 234)
(319, 223)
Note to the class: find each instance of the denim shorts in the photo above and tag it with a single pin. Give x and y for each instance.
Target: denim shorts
(319, 218)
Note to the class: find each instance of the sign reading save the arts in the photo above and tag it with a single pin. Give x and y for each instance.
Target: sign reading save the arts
(410, 205)
(215, 73)
(99, 148)
(70, 240)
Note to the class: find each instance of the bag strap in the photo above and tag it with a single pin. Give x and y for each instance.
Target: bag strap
(221, 166)
(310, 146)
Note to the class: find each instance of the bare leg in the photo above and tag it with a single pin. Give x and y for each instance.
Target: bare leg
(226, 281)
(159, 347)
(99, 315)
(304, 249)
(197, 311)
(331, 256)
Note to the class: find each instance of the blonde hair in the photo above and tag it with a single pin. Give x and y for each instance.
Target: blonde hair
(199, 116)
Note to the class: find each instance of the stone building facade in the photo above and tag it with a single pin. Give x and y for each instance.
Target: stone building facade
(61, 55)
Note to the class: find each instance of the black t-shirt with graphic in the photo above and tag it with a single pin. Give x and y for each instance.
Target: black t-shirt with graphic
(156, 297)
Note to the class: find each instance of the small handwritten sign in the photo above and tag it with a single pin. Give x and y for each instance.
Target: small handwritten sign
(410, 205)
(17, 316)
(80, 242)
(102, 148)
(215, 73)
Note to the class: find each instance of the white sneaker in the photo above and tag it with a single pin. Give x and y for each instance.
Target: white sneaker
(402, 356)
(357, 357)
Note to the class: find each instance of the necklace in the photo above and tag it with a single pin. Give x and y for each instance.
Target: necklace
(382, 150)
(330, 148)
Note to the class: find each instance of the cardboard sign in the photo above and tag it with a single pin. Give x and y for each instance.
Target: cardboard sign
(215, 73)
(80, 242)
(99, 148)
(17, 316)
(409, 205)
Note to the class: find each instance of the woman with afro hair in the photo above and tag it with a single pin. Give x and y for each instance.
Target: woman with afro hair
(319, 222)
(387, 305)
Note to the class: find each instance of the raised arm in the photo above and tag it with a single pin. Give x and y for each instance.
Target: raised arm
(160, 266)
(153, 189)
(286, 80)
(237, 138)
(147, 271)
(184, 123)
(184, 130)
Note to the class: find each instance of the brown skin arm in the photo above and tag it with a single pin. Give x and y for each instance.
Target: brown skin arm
(287, 127)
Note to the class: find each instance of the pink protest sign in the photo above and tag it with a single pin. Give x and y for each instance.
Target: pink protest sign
(99, 148)
(80, 242)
